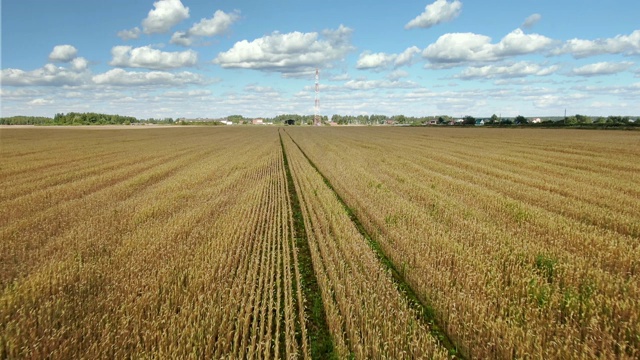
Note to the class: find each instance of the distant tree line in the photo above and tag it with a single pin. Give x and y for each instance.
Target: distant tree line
(75, 118)
(91, 118)
(25, 120)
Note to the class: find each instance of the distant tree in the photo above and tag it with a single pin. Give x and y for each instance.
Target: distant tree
(617, 120)
(400, 119)
(469, 120)
(583, 119)
(520, 120)
(494, 118)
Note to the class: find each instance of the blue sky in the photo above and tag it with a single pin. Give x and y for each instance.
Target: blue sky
(196, 58)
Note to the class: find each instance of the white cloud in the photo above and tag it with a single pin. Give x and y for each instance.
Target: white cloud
(289, 53)
(621, 44)
(260, 89)
(407, 56)
(181, 38)
(150, 58)
(520, 69)
(79, 64)
(379, 84)
(63, 53)
(167, 13)
(397, 74)
(436, 13)
(39, 102)
(120, 77)
(602, 68)
(48, 75)
(217, 25)
(372, 61)
(380, 61)
(531, 20)
(129, 34)
(453, 49)
(190, 94)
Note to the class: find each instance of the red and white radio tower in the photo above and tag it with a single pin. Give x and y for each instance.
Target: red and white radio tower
(316, 116)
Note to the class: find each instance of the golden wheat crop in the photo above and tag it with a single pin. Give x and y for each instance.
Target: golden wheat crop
(157, 243)
(235, 242)
(525, 241)
(365, 313)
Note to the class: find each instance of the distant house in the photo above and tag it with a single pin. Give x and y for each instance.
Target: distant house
(479, 122)
(536, 121)
(257, 121)
(433, 122)
(390, 122)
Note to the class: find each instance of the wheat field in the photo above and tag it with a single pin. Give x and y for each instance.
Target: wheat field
(294, 242)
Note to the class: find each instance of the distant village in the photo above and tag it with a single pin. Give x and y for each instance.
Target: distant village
(401, 120)
(577, 120)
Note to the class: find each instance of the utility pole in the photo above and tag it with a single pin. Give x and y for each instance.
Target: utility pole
(316, 116)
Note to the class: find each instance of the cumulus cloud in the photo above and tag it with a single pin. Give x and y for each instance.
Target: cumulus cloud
(397, 74)
(407, 56)
(40, 102)
(381, 61)
(531, 20)
(368, 60)
(436, 13)
(602, 68)
(150, 58)
(289, 53)
(120, 77)
(454, 49)
(379, 84)
(48, 75)
(621, 44)
(79, 64)
(217, 25)
(520, 69)
(63, 53)
(167, 13)
(129, 34)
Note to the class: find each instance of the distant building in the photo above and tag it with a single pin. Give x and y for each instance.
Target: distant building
(257, 121)
(536, 121)
(479, 122)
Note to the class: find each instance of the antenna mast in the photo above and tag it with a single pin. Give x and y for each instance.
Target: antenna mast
(316, 116)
